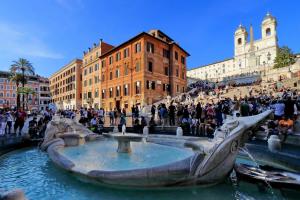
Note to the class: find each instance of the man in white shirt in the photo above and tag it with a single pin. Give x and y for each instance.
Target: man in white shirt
(9, 120)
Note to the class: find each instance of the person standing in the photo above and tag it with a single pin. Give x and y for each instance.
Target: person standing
(164, 115)
(172, 114)
(111, 117)
(20, 119)
(2, 123)
(289, 108)
(279, 107)
(153, 108)
(9, 120)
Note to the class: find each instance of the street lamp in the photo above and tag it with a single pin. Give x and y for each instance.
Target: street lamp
(264, 63)
(23, 85)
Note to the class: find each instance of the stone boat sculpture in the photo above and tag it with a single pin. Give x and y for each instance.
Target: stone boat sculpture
(209, 161)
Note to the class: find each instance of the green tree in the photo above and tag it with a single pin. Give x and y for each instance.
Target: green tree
(284, 58)
(25, 68)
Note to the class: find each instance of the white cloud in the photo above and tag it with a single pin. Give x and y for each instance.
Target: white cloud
(16, 40)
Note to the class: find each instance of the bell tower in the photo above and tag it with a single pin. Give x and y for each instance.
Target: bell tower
(268, 27)
(240, 40)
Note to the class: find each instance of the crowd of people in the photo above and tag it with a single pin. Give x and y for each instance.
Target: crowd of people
(12, 122)
(196, 116)
(201, 119)
(95, 118)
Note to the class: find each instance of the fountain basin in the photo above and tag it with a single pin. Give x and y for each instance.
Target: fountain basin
(124, 141)
(157, 162)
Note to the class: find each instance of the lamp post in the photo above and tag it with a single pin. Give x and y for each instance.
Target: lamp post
(264, 63)
(23, 85)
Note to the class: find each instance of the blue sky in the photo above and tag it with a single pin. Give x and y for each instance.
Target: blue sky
(50, 33)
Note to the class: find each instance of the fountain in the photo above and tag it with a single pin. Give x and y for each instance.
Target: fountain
(161, 161)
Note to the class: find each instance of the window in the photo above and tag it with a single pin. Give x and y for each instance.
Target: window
(182, 60)
(176, 55)
(125, 70)
(90, 81)
(8, 87)
(177, 88)
(137, 66)
(90, 69)
(268, 32)
(137, 47)
(269, 56)
(166, 87)
(150, 85)
(153, 85)
(239, 41)
(150, 67)
(97, 55)
(150, 47)
(137, 87)
(84, 83)
(110, 60)
(103, 77)
(126, 52)
(117, 73)
(118, 56)
(118, 91)
(166, 53)
(110, 75)
(183, 74)
(103, 63)
(89, 95)
(85, 72)
(1, 87)
(96, 67)
(177, 72)
(1, 94)
(96, 93)
(103, 94)
(111, 92)
(96, 79)
(167, 71)
(126, 90)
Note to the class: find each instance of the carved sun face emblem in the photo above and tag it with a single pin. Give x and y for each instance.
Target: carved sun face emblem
(234, 146)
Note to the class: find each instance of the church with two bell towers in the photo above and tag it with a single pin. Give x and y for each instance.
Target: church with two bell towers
(250, 56)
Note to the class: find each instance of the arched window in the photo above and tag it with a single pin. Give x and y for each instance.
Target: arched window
(268, 32)
(239, 41)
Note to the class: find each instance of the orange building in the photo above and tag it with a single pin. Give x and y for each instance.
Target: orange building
(65, 86)
(90, 74)
(142, 70)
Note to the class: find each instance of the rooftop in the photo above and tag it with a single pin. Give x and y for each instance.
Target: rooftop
(164, 38)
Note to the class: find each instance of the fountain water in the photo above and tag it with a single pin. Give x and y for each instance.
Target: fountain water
(245, 150)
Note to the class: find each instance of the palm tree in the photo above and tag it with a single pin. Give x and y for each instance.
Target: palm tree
(27, 91)
(17, 78)
(25, 67)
